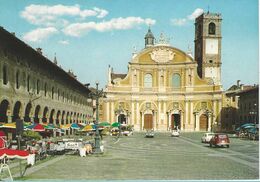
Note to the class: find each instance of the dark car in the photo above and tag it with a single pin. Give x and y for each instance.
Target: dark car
(220, 140)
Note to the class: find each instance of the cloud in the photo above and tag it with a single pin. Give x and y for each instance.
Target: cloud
(179, 22)
(78, 29)
(51, 15)
(183, 21)
(39, 34)
(64, 42)
(197, 12)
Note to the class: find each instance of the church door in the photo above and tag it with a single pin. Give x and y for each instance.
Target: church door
(203, 122)
(148, 121)
(122, 119)
(175, 121)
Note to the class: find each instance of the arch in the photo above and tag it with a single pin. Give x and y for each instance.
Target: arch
(27, 112)
(51, 119)
(36, 114)
(67, 117)
(58, 117)
(148, 80)
(78, 119)
(16, 111)
(203, 122)
(176, 80)
(212, 28)
(63, 117)
(45, 115)
(5, 75)
(4, 107)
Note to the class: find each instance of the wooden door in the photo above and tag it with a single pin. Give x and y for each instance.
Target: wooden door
(148, 121)
(203, 122)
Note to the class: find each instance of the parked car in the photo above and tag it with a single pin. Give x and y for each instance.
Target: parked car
(149, 133)
(206, 137)
(220, 140)
(175, 133)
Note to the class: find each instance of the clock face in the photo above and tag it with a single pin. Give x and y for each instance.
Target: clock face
(211, 46)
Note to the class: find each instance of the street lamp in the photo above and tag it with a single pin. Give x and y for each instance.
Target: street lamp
(96, 95)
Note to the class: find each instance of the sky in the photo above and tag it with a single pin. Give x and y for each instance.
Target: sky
(89, 35)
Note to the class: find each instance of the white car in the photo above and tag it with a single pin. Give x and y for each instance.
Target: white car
(175, 133)
(207, 137)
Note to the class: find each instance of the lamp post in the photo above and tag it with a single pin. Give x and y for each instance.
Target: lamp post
(96, 95)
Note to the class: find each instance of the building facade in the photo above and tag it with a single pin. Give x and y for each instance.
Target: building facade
(240, 106)
(166, 87)
(36, 89)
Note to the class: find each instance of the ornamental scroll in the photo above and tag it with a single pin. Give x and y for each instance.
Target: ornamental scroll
(162, 55)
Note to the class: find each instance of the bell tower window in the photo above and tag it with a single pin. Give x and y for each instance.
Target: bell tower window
(212, 28)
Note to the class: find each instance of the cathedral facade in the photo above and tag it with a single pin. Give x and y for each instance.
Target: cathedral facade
(167, 88)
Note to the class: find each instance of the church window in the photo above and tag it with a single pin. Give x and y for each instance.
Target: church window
(148, 81)
(212, 28)
(17, 78)
(5, 81)
(176, 80)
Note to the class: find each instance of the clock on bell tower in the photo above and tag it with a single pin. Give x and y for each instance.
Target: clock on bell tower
(208, 46)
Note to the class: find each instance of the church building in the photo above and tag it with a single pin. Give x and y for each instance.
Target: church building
(166, 87)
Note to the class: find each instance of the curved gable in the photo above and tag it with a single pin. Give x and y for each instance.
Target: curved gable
(162, 55)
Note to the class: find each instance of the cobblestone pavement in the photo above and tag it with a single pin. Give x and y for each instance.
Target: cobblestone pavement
(161, 157)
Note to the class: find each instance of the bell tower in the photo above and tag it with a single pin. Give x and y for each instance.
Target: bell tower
(149, 38)
(208, 46)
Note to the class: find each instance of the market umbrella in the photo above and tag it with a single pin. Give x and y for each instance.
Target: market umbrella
(75, 126)
(115, 124)
(36, 127)
(88, 128)
(104, 123)
(65, 127)
(252, 130)
(247, 124)
(9, 125)
(49, 126)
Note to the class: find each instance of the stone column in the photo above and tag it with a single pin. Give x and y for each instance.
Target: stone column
(137, 114)
(186, 114)
(169, 120)
(164, 113)
(132, 113)
(142, 124)
(159, 111)
(182, 120)
(40, 119)
(218, 112)
(209, 121)
(192, 119)
(107, 112)
(9, 118)
(197, 128)
(112, 111)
